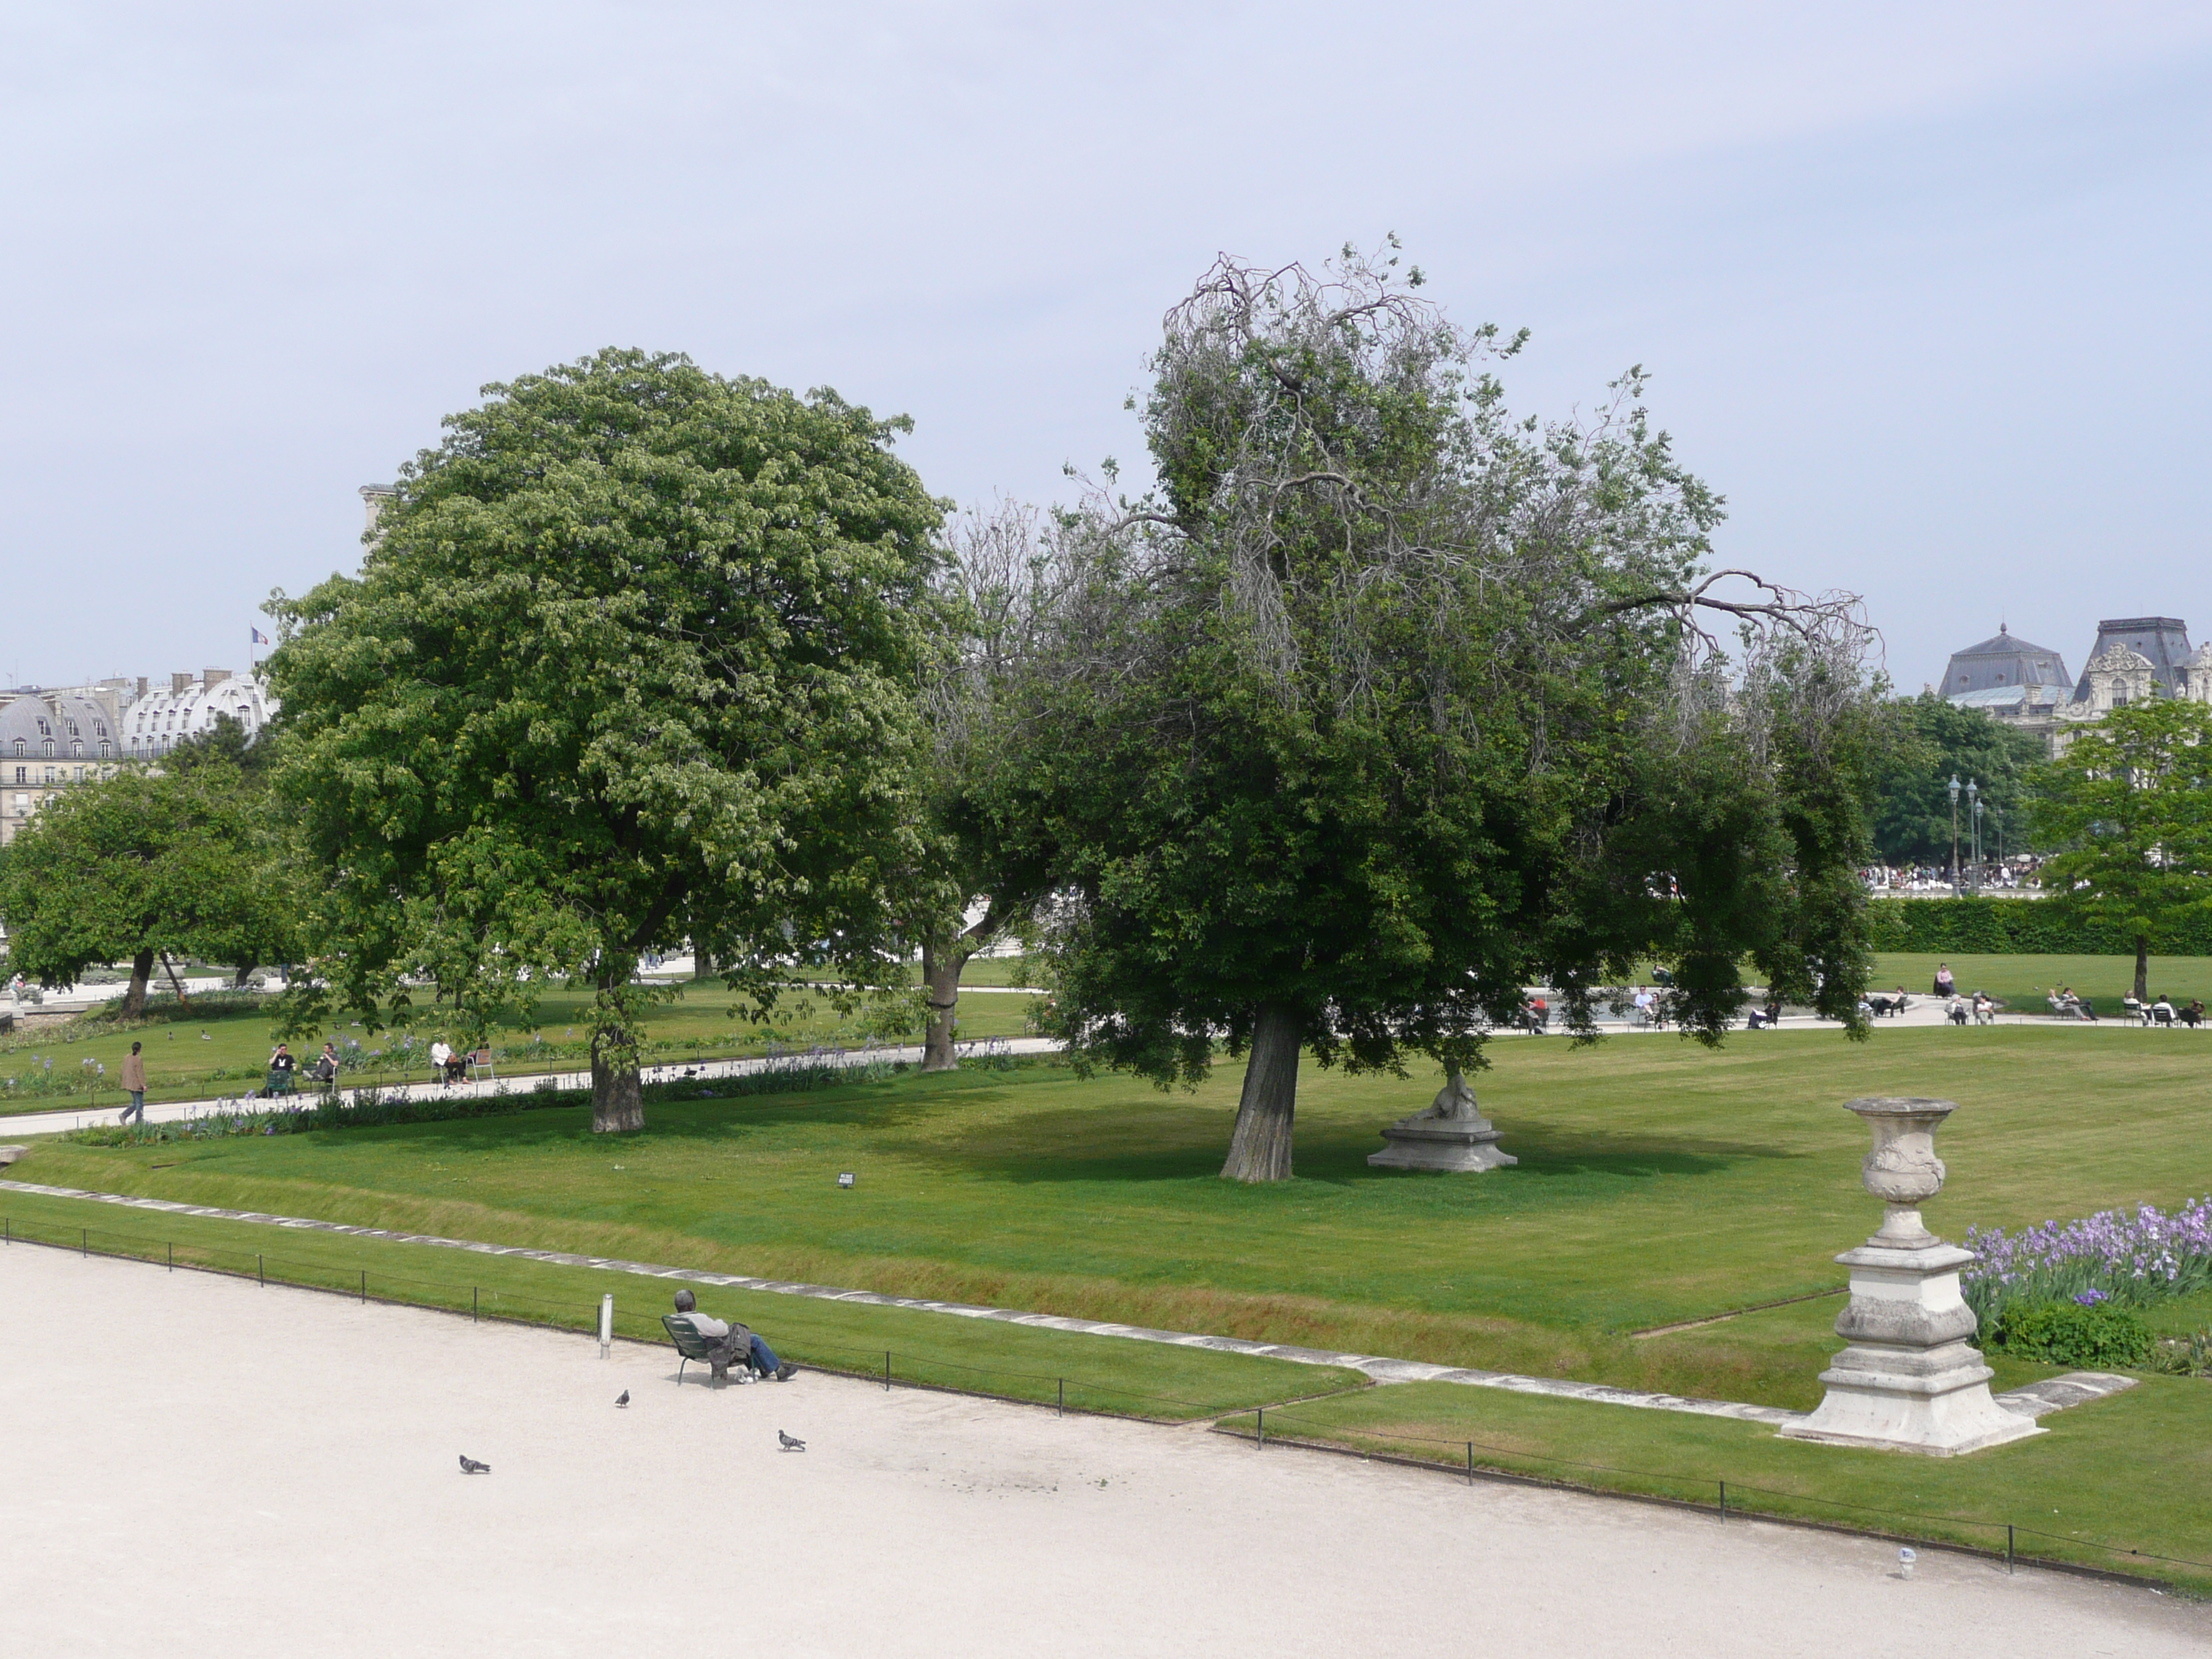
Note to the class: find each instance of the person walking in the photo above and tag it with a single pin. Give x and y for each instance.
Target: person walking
(134, 1083)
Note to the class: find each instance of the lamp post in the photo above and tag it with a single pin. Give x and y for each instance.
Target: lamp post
(1954, 835)
(1974, 801)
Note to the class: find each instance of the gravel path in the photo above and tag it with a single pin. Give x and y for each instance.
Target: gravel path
(196, 1466)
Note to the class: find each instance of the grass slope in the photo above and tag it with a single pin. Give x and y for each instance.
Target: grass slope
(1659, 1183)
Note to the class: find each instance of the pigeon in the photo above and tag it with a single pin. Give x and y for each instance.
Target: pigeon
(470, 1466)
(624, 1399)
(787, 1442)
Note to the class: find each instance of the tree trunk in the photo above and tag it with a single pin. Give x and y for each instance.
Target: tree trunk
(142, 973)
(2143, 967)
(1260, 1148)
(941, 972)
(244, 971)
(618, 1107)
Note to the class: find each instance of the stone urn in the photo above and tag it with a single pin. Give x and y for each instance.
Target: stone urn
(1908, 1381)
(1452, 1135)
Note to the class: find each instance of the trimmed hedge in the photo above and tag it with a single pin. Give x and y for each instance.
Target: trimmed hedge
(2029, 927)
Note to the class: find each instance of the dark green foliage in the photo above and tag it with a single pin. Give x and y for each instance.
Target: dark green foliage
(1929, 741)
(2102, 1337)
(181, 861)
(1391, 704)
(634, 663)
(2128, 808)
(1981, 926)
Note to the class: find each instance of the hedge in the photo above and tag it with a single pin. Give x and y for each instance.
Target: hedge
(2034, 927)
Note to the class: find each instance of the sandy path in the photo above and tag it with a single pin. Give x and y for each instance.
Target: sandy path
(275, 1474)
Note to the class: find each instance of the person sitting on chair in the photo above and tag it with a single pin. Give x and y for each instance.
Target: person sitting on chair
(282, 1068)
(2161, 1011)
(1985, 1009)
(2193, 1015)
(732, 1342)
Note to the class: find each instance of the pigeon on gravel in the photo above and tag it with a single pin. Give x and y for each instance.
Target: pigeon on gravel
(787, 1442)
(624, 1398)
(470, 1466)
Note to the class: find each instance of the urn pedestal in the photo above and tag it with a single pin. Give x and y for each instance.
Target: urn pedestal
(1452, 1135)
(1908, 1381)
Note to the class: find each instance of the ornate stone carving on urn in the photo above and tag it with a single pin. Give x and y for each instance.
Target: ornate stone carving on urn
(1908, 1380)
(1452, 1135)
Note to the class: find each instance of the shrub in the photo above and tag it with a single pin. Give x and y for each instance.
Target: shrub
(2075, 1334)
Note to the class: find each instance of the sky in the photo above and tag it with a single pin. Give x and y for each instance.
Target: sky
(1922, 288)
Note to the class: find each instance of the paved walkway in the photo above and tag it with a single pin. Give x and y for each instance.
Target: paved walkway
(177, 1111)
(2073, 1389)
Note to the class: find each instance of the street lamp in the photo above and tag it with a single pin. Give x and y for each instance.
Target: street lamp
(1975, 795)
(1954, 835)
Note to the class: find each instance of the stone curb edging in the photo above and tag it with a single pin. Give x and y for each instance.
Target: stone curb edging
(2055, 1395)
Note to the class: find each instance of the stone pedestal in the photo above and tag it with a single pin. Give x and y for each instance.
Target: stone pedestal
(1451, 1135)
(1908, 1381)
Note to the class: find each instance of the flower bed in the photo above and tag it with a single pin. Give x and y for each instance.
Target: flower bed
(2133, 1258)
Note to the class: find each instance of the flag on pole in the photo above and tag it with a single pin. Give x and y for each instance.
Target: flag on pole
(259, 638)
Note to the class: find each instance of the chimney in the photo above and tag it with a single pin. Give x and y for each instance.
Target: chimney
(374, 497)
(141, 685)
(211, 678)
(179, 683)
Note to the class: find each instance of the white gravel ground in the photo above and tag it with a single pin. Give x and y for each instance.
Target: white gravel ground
(197, 1466)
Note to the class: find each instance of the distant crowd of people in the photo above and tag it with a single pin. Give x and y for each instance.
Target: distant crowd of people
(2018, 874)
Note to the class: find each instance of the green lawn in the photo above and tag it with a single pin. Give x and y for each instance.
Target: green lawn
(2128, 1473)
(1659, 1183)
(2023, 981)
(224, 1051)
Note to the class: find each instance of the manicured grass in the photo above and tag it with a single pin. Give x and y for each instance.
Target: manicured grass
(937, 1350)
(2130, 1473)
(2022, 982)
(224, 1051)
(1659, 1182)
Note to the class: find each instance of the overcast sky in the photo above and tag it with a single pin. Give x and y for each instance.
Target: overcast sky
(1923, 287)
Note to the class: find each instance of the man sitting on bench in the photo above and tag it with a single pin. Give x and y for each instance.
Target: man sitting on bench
(732, 1342)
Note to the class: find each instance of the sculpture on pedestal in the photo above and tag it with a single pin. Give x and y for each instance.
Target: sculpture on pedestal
(1452, 1135)
(1908, 1381)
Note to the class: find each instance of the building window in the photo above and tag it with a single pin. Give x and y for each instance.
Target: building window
(44, 730)
(22, 775)
(79, 775)
(76, 748)
(23, 802)
(50, 777)
(103, 749)
(47, 748)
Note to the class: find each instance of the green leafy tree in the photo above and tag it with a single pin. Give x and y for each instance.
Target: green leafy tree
(2130, 806)
(633, 662)
(1388, 705)
(140, 867)
(1931, 741)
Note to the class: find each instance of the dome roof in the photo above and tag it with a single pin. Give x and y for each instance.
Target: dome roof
(2002, 660)
(20, 720)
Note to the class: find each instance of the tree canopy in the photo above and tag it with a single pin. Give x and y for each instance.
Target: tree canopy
(2128, 806)
(142, 864)
(1387, 704)
(1931, 741)
(632, 661)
